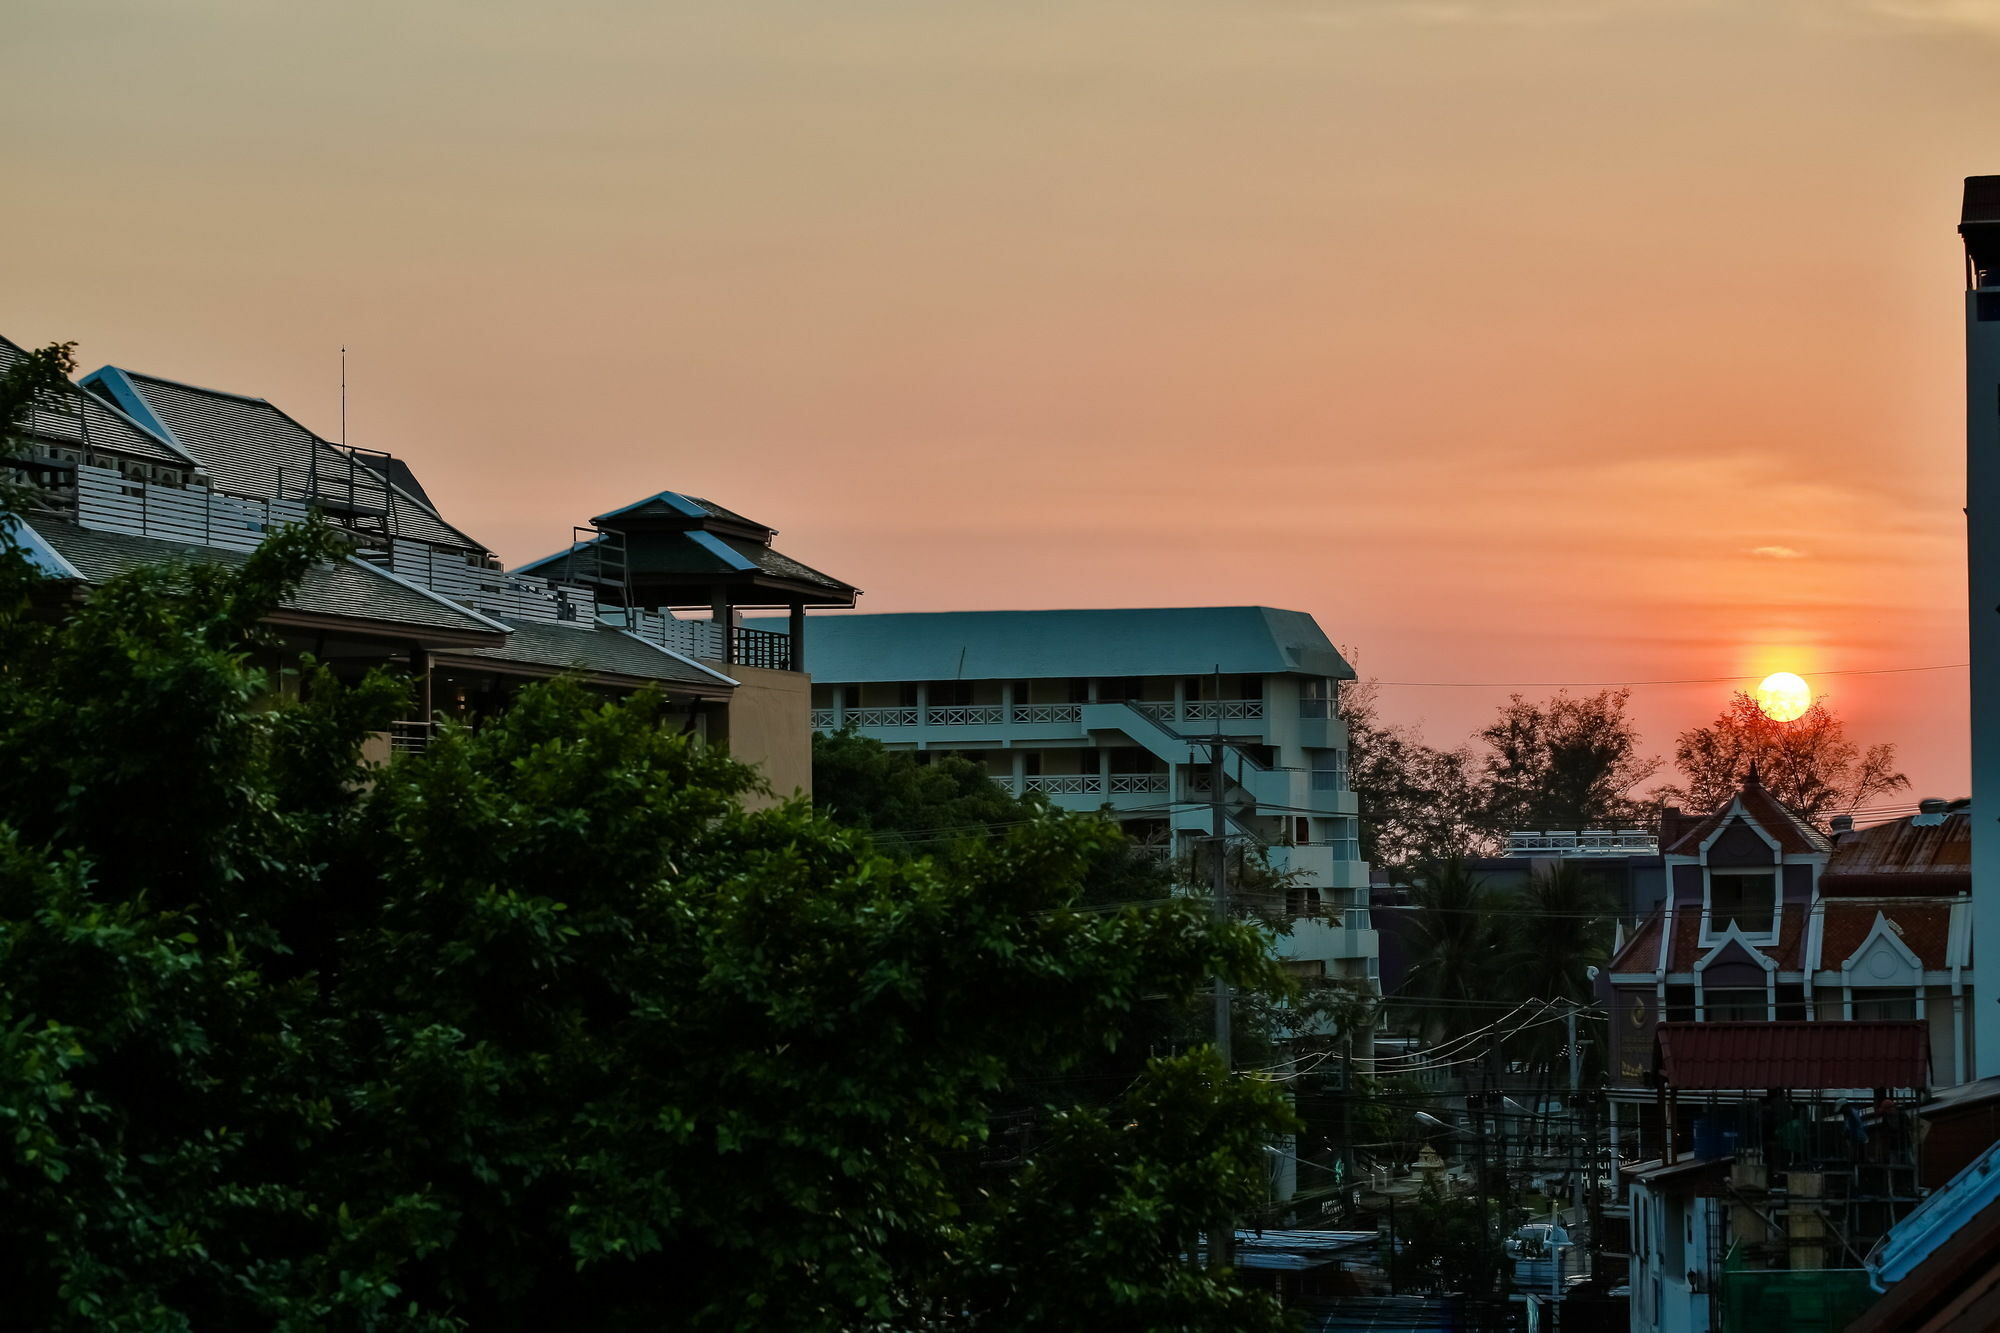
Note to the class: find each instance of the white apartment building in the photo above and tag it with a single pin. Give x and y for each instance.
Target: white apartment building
(1121, 710)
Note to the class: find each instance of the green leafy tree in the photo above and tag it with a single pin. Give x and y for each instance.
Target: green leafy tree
(541, 1028)
(1456, 944)
(1418, 804)
(1448, 1243)
(1808, 763)
(1566, 762)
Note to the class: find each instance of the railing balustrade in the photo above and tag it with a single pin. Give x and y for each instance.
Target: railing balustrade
(410, 736)
(1140, 784)
(763, 648)
(1048, 712)
(964, 715)
(1064, 784)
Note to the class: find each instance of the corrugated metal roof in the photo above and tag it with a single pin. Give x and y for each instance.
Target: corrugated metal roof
(600, 649)
(1794, 1055)
(348, 588)
(1026, 645)
(1929, 857)
(253, 448)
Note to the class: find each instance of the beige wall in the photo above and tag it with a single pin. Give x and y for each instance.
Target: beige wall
(769, 724)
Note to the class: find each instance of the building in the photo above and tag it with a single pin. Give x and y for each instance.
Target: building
(1130, 711)
(1979, 225)
(132, 469)
(1783, 1153)
(1768, 919)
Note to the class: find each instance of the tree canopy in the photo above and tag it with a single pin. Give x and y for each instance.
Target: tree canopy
(1808, 763)
(540, 1028)
(1565, 762)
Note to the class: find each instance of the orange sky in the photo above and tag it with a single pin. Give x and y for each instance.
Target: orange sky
(1501, 335)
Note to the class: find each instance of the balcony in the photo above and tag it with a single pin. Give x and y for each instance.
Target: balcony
(1586, 842)
(1094, 784)
(1169, 713)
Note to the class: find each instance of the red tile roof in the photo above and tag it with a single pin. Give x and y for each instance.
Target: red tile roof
(1642, 951)
(1794, 1055)
(1792, 831)
(1925, 929)
(1787, 952)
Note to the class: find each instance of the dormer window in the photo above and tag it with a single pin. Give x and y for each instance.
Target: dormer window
(1747, 899)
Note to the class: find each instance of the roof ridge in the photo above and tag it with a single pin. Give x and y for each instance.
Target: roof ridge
(200, 388)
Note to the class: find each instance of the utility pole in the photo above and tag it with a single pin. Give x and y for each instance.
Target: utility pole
(1222, 1253)
(1575, 1098)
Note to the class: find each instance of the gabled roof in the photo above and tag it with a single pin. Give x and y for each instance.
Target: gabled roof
(1027, 645)
(598, 650)
(1941, 1263)
(1793, 832)
(1796, 1055)
(350, 589)
(78, 418)
(251, 447)
(1923, 927)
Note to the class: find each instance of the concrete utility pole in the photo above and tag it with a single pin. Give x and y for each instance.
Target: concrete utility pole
(1979, 224)
(1575, 1103)
(1222, 1254)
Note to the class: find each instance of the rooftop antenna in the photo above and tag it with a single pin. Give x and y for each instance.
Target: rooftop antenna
(343, 397)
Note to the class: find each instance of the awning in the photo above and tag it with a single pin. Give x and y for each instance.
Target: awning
(1793, 1055)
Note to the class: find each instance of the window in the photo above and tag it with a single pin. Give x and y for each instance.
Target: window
(1735, 1006)
(950, 693)
(1747, 898)
(1886, 1007)
(1117, 689)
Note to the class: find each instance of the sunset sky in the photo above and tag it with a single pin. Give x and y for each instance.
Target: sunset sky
(1516, 340)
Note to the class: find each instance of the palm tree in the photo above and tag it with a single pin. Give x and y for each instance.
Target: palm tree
(1558, 926)
(1456, 952)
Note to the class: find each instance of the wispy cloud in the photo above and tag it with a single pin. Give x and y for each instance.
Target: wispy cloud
(1776, 553)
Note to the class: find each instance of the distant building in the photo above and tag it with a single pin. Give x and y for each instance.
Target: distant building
(1121, 709)
(1769, 919)
(132, 469)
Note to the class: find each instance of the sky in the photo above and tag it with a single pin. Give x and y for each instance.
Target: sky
(1516, 340)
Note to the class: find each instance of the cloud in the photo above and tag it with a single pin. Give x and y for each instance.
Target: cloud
(1979, 15)
(1776, 553)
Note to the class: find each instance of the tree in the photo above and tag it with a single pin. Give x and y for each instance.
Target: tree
(1455, 948)
(1565, 762)
(540, 1028)
(1808, 763)
(1447, 1243)
(1418, 804)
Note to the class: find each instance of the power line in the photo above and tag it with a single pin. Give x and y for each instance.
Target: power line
(1637, 684)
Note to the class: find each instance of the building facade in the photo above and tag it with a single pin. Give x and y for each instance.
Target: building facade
(1129, 711)
(131, 470)
(1766, 918)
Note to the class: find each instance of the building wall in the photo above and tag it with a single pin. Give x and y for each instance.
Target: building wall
(768, 723)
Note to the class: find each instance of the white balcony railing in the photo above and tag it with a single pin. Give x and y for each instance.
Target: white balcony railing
(1064, 784)
(964, 715)
(1585, 842)
(1048, 713)
(1202, 710)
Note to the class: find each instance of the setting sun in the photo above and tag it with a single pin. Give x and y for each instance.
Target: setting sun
(1784, 697)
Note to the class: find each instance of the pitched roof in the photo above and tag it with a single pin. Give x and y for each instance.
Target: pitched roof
(1802, 1055)
(1792, 831)
(1925, 854)
(78, 418)
(598, 650)
(251, 447)
(1923, 927)
(348, 588)
(1787, 953)
(1022, 645)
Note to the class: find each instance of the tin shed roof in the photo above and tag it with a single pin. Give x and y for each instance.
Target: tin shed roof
(1794, 1055)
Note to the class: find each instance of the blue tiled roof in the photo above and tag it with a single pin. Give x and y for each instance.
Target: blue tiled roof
(1026, 645)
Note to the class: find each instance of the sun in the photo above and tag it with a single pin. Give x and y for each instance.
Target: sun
(1784, 697)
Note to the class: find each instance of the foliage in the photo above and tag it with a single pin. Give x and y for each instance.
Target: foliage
(1418, 804)
(1456, 942)
(1448, 1243)
(859, 782)
(540, 1028)
(1808, 763)
(1564, 763)
(36, 372)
